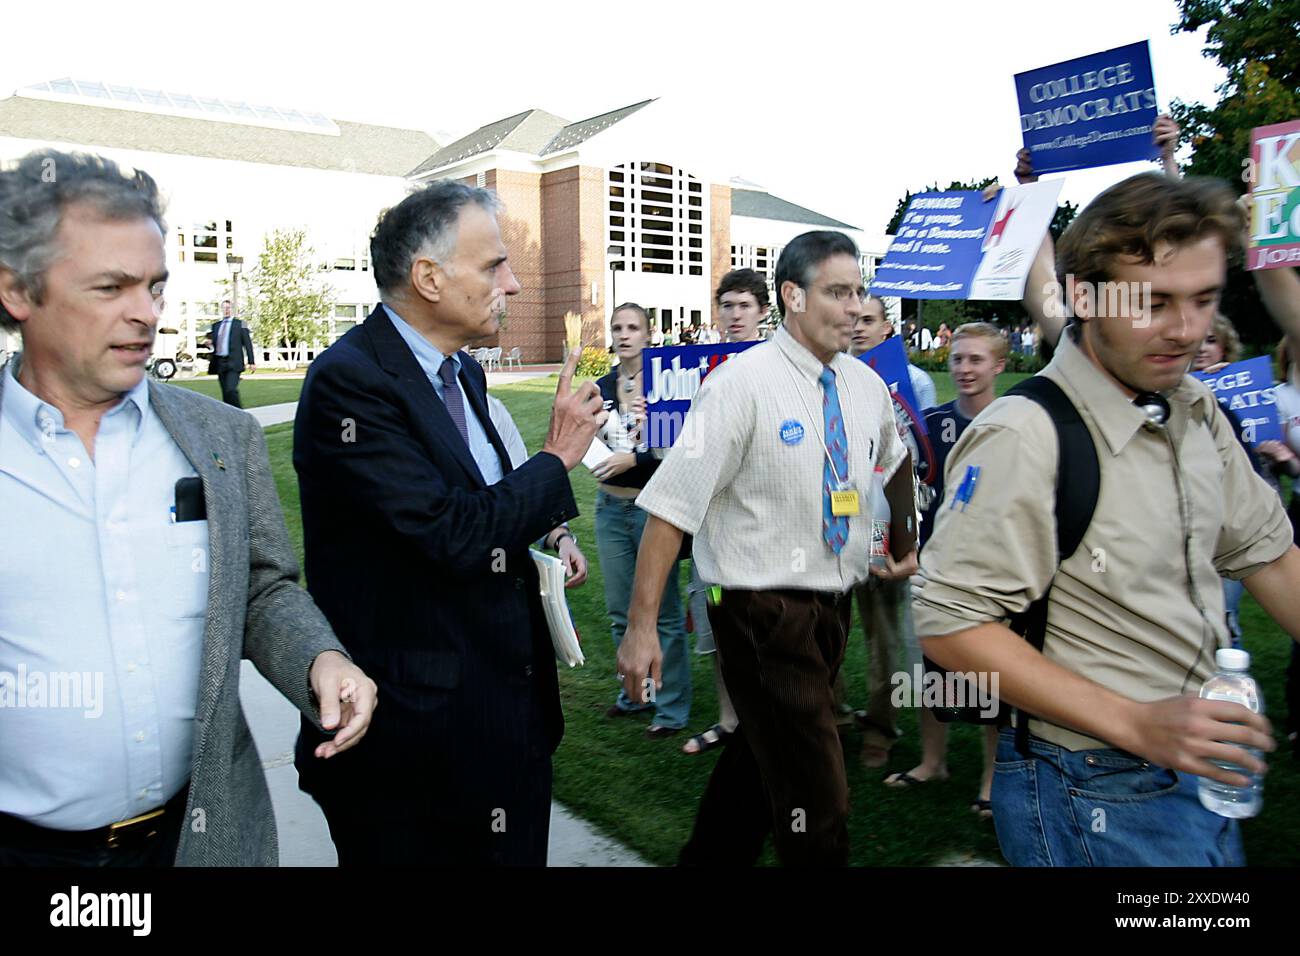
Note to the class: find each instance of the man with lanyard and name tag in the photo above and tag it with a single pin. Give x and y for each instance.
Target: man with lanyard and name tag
(1103, 772)
(771, 474)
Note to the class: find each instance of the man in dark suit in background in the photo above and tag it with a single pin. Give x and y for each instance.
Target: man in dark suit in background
(230, 343)
(416, 530)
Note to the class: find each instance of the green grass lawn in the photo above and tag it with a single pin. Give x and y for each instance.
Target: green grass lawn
(645, 792)
(253, 390)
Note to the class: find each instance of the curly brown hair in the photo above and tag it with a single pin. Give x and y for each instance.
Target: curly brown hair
(1131, 218)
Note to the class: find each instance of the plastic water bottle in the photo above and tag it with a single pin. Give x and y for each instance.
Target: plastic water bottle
(1232, 682)
(879, 520)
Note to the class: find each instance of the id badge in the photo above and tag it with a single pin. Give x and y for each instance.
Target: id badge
(844, 501)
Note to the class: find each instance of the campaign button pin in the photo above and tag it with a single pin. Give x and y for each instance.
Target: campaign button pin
(791, 432)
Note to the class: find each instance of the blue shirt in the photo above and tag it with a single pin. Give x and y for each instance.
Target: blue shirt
(430, 359)
(223, 337)
(102, 607)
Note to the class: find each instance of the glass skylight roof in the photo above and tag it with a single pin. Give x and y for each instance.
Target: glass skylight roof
(206, 107)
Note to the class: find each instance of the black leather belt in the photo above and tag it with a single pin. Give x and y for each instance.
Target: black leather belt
(132, 832)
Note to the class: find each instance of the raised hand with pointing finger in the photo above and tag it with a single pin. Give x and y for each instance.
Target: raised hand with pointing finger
(575, 416)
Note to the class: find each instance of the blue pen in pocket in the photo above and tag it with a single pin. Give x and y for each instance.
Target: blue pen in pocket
(967, 487)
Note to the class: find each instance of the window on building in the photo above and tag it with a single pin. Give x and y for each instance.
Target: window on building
(206, 242)
(653, 209)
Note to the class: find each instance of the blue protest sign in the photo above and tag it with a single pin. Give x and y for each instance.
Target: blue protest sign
(937, 248)
(1091, 111)
(889, 361)
(672, 376)
(1246, 389)
(959, 245)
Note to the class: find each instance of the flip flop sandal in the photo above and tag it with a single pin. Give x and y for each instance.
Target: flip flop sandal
(906, 780)
(703, 743)
(656, 731)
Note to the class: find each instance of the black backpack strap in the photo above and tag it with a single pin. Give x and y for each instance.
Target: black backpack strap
(1078, 482)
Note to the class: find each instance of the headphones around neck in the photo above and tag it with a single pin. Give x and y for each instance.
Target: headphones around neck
(1154, 406)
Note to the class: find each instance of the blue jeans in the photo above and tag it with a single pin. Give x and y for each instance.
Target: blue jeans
(619, 523)
(697, 595)
(1232, 591)
(1102, 808)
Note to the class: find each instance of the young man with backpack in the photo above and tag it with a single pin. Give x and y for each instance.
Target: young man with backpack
(1115, 483)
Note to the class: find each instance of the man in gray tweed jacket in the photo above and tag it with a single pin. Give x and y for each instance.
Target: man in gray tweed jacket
(143, 554)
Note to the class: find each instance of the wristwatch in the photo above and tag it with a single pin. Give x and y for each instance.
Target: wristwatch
(566, 533)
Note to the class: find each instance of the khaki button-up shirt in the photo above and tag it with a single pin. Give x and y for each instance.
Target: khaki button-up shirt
(745, 475)
(1139, 607)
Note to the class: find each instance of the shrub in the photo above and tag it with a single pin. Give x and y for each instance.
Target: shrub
(936, 360)
(594, 362)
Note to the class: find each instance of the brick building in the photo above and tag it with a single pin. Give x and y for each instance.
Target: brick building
(612, 208)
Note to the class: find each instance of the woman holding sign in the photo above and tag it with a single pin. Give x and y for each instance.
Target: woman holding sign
(619, 523)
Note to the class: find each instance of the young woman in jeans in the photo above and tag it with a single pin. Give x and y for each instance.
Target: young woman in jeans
(619, 523)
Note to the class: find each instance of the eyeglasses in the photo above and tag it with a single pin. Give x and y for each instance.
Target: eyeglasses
(842, 293)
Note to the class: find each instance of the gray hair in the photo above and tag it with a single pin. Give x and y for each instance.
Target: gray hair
(422, 224)
(34, 193)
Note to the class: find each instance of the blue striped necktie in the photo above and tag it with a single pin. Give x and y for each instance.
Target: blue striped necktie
(452, 398)
(835, 530)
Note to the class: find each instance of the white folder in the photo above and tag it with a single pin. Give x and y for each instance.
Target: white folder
(550, 572)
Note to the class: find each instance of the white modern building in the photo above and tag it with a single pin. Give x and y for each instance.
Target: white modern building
(612, 208)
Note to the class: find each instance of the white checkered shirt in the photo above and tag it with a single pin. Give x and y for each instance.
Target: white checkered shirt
(741, 480)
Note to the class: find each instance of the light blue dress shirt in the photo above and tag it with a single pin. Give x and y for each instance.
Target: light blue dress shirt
(430, 359)
(102, 608)
(922, 387)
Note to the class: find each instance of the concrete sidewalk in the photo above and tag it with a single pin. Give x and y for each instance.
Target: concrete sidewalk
(304, 835)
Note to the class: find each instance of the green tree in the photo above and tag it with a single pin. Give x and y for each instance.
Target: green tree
(1062, 218)
(1255, 43)
(892, 228)
(283, 299)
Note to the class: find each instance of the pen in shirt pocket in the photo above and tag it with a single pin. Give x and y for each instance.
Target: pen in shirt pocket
(967, 487)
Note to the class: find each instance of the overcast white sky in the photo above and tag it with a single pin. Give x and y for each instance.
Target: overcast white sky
(835, 106)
